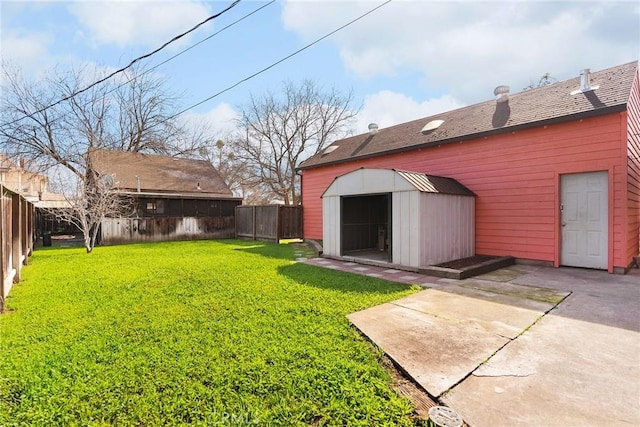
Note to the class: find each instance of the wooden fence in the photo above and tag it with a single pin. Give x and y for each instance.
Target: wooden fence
(17, 236)
(129, 230)
(269, 222)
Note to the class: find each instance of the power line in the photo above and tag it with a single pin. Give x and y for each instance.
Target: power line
(206, 38)
(274, 64)
(257, 72)
(146, 71)
(277, 62)
(179, 36)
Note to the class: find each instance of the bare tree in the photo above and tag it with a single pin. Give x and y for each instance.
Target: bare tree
(276, 133)
(231, 169)
(235, 171)
(90, 204)
(135, 113)
(545, 80)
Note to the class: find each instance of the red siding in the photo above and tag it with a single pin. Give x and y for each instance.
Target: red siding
(516, 178)
(633, 171)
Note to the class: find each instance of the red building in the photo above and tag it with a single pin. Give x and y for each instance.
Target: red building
(555, 170)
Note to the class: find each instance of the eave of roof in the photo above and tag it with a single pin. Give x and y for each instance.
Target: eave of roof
(52, 204)
(528, 109)
(479, 135)
(159, 195)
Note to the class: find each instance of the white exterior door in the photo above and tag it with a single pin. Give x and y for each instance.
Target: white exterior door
(585, 220)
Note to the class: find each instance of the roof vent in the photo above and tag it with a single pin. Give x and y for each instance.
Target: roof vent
(431, 126)
(373, 128)
(585, 82)
(501, 93)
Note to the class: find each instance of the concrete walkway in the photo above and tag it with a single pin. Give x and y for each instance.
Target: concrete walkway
(519, 346)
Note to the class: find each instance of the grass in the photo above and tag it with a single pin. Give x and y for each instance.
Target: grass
(207, 332)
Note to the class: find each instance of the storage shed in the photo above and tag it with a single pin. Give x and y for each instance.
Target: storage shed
(408, 219)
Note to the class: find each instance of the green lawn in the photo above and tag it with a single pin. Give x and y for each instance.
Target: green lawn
(207, 332)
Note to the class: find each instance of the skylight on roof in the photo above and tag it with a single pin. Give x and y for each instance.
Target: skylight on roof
(329, 149)
(431, 126)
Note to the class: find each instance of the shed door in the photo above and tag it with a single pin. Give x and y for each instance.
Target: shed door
(584, 220)
(365, 225)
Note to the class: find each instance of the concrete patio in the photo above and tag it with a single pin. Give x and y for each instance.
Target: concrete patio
(523, 345)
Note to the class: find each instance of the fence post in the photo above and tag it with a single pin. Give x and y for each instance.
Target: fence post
(235, 219)
(299, 221)
(2, 247)
(278, 226)
(24, 231)
(30, 230)
(253, 220)
(16, 245)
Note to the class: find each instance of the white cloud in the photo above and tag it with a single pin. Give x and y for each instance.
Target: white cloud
(31, 52)
(468, 48)
(387, 108)
(220, 119)
(25, 50)
(149, 23)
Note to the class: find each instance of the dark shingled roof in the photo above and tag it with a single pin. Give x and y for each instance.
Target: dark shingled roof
(536, 107)
(159, 174)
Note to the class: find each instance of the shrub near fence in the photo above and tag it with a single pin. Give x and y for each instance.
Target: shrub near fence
(17, 235)
(269, 222)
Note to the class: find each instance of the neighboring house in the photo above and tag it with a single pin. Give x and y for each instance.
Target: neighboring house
(17, 178)
(33, 187)
(174, 198)
(555, 171)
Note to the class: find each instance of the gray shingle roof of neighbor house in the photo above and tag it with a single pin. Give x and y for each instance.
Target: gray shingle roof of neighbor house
(160, 174)
(558, 102)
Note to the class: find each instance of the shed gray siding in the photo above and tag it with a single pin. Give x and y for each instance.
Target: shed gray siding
(427, 226)
(448, 228)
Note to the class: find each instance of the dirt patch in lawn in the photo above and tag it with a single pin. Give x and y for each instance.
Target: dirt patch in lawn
(419, 398)
(406, 387)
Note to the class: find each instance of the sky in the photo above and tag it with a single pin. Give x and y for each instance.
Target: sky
(403, 61)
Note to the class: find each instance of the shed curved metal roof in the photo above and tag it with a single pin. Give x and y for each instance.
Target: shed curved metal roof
(435, 184)
(375, 181)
